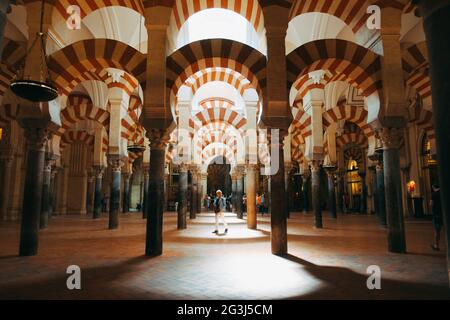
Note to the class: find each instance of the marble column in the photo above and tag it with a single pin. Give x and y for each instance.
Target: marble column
(251, 196)
(182, 197)
(115, 163)
(32, 197)
(278, 202)
(98, 196)
(315, 181)
(239, 192)
(43, 221)
(126, 193)
(90, 192)
(6, 186)
(154, 236)
(331, 191)
(145, 193)
(392, 138)
(363, 207)
(436, 24)
(381, 193)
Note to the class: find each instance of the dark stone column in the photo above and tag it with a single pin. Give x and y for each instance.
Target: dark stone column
(194, 194)
(239, 192)
(182, 197)
(90, 192)
(306, 180)
(381, 193)
(155, 209)
(233, 191)
(98, 196)
(391, 138)
(436, 24)
(374, 189)
(43, 221)
(278, 202)
(145, 201)
(32, 197)
(363, 207)
(315, 180)
(114, 207)
(126, 193)
(340, 191)
(52, 199)
(331, 191)
(199, 193)
(6, 183)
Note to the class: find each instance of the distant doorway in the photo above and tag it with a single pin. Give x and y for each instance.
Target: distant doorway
(219, 176)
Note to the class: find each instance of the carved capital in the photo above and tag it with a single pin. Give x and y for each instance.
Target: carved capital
(37, 138)
(115, 163)
(98, 171)
(159, 138)
(392, 138)
(315, 165)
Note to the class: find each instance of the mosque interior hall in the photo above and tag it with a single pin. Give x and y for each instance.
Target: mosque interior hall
(225, 149)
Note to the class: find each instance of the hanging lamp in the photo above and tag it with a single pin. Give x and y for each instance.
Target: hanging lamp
(36, 90)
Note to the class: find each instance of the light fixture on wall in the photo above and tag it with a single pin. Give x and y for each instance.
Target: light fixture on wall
(37, 90)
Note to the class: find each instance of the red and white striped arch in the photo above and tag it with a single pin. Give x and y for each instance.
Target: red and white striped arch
(301, 123)
(359, 65)
(71, 62)
(127, 82)
(215, 53)
(416, 69)
(87, 7)
(233, 78)
(13, 53)
(352, 12)
(6, 76)
(218, 114)
(70, 137)
(184, 9)
(82, 109)
(355, 114)
(424, 120)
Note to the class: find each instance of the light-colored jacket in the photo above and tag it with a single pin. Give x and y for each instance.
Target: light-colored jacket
(221, 202)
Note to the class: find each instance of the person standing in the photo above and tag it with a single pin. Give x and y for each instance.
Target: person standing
(437, 216)
(219, 210)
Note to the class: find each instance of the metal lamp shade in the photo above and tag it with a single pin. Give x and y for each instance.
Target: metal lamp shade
(34, 90)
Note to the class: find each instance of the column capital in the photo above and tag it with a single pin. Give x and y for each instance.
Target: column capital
(115, 162)
(391, 138)
(159, 138)
(37, 138)
(315, 165)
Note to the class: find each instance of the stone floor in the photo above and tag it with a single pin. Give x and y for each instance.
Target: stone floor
(324, 264)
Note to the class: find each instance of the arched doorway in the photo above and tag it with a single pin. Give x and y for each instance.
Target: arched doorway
(219, 176)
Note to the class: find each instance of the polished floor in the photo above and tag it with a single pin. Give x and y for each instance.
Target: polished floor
(326, 264)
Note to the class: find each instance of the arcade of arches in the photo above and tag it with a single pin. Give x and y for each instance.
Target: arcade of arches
(163, 102)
